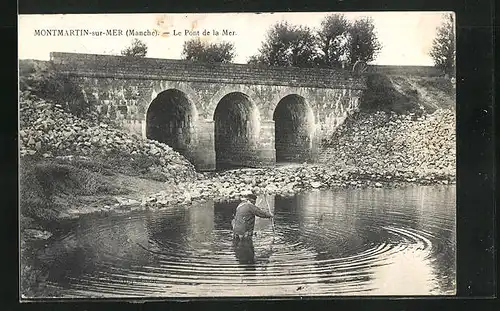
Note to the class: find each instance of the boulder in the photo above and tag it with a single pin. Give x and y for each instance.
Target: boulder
(316, 184)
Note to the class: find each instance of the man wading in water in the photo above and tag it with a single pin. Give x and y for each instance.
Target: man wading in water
(244, 219)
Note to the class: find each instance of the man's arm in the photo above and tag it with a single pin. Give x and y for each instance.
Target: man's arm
(260, 212)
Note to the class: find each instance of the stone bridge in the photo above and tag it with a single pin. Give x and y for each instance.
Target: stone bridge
(218, 115)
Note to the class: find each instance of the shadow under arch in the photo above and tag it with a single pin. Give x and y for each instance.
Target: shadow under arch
(237, 127)
(294, 129)
(171, 119)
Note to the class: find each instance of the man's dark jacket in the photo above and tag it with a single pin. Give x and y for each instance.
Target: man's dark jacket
(244, 219)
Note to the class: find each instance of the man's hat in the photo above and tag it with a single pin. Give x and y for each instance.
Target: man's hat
(251, 197)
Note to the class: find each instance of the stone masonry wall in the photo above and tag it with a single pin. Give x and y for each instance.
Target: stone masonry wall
(127, 101)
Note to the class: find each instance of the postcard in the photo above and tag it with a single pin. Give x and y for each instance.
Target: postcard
(237, 155)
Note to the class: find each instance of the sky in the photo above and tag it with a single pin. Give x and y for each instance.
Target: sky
(406, 37)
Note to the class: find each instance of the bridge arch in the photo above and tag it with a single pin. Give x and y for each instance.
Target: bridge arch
(294, 125)
(171, 118)
(159, 86)
(237, 128)
(225, 90)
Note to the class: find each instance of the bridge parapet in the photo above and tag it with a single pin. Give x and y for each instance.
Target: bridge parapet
(181, 70)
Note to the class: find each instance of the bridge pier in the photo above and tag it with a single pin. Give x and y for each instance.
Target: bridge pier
(204, 153)
(262, 155)
(266, 152)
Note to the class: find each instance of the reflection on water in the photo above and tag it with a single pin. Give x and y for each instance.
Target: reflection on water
(349, 242)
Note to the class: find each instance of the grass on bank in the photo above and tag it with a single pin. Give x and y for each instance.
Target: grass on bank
(49, 186)
(407, 94)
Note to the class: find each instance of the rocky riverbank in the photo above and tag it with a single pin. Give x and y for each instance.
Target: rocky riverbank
(232, 185)
(47, 132)
(368, 150)
(284, 181)
(71, 165)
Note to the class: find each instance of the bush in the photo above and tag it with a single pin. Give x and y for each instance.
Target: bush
(381, 95)
(26, 67)
(137, 48)
(41, 80)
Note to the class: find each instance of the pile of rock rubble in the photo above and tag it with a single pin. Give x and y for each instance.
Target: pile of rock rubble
(46, 130)
(391, 144)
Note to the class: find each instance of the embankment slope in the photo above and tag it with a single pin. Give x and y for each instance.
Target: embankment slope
(406, 126)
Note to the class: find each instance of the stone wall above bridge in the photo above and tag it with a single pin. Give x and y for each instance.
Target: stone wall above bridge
(126, 89)
(181, 70)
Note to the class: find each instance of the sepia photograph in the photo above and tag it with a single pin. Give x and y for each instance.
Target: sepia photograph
(237, 155)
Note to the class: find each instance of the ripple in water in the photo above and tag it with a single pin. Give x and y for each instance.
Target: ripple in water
(355, 242)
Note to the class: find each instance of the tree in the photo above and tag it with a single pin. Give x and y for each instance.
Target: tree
(136, 49)
(332, 37)
(362, 42)
(443, 46)
(287, 45)
(196, 50)
(257, 60)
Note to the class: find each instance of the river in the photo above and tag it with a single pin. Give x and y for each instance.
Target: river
(398, 241)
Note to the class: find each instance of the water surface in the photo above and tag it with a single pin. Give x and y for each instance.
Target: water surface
(346, 242)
